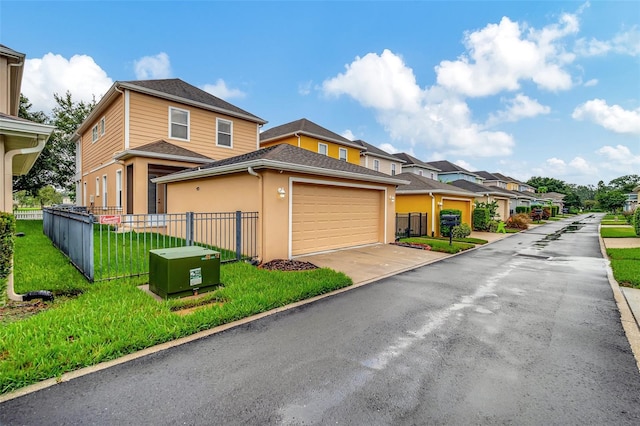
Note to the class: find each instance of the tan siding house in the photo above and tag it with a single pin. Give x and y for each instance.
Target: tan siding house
(142, 130)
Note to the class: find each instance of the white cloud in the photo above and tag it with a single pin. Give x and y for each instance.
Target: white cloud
(576, 169)
(430, 117)
(619, 154)
(591, 83)
(221, 90)
(519, 107)
(500, 56)
(152, 67)
(464, 165)
(305, 88)
(623, 43)
(388, 148)
(613, 117)
(348, 134)
(80, 75)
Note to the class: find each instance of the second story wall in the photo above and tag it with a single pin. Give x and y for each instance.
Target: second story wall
(333, 149)
(104, 137)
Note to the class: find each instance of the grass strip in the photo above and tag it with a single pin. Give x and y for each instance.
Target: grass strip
(625, 264)
(617, 232)
(439, 245)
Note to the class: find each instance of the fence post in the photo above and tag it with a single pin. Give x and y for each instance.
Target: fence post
(90, 252)
(408, 225)
(238, 235)
(189, 228)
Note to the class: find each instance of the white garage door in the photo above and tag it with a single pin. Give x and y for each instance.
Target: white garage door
(329, 217)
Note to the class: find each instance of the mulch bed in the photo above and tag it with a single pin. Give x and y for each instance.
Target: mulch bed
(288, 265)
(414, 245)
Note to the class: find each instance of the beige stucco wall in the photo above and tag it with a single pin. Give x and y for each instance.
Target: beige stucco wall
(385, 164)
(242, 191)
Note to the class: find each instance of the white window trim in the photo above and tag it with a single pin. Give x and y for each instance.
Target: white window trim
(94, 134)
(218, 120)
(97, 186)
(346, 153)
(376, 165)
(326, 148)
(420, 173)
(103, 126)
(180, 124)
(393, 169)
(119, 189)
(104, 191)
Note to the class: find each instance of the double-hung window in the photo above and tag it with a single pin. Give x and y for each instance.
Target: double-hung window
(102, 126)
(342, 154)
(393, 169)
(94, 133)
(376, 165)
(224, 133)
(178, 123)
(323, 148)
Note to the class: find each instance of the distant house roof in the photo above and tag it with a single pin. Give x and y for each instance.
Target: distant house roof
(510, 179)
(555, 196)
(288, 158)
(374, 151)
(478, 188)
(422, 185)
(308, 128)
(413, 161)
(488, 176)
(172, 89)
(165, 150)
(448, 167)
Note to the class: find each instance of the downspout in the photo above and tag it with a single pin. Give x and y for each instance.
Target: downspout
(433, 213)
(8, 188)
(297, 135)
(260, 212)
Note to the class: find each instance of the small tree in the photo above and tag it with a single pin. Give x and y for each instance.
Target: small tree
(49, 196)
(636, 221)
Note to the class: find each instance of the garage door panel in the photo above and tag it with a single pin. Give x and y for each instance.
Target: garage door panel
(328, 217)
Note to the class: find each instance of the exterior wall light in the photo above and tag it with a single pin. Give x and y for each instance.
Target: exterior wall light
(281, 192)
(392, 198)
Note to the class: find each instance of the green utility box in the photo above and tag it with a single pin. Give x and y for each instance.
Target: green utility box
(183, 271)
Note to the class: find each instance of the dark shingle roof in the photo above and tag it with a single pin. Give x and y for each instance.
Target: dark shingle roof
(423, 184)
(164, 147)
(411, 160)
(487, 175)
(306, 127)
(10, 52)
(448, 167)
(477, 188)
(178, 88)
(377, 152)
(289, 155)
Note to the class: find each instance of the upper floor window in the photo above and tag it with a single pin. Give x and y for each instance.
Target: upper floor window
(224, 133)
(393, 169)
(94, 133)
(419, 172)
(323, 148)
(342, 154)
(178, 123)
(376, 165)
(102, 126)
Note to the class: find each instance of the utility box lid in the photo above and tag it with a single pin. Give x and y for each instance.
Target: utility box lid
(182, 252)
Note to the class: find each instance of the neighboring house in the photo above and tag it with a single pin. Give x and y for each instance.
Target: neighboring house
(21, 141)
(631, 203)
(141, 130)
(308, 135)
(425, 195)
(491, 180)
(418, 167)
(637, 192)
(379, 160)
(306, 202)
(555, 198)
(487, 194)
(448, 172)
(514, 184)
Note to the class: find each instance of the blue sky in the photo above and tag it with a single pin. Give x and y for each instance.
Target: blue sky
(526, 89)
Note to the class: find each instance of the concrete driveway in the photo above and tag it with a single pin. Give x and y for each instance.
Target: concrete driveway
(371, 263)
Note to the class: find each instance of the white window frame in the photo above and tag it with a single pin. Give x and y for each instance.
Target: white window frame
(420, 173)
(188, 125)
(393, 169)
(119, 189)
(104, 191)
(97, 186)
(94, 134)
(325, 146)
(103, 125)
(342, 154)
(376, 165)
(218, 132)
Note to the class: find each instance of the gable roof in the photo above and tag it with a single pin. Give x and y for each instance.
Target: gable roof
(172, 89)
(305, 127)
(423, 185)
(478, 188)
(164, 150)
(284, 157)
(413, 161)
(488, 176)
(374, 151)
(448, 167)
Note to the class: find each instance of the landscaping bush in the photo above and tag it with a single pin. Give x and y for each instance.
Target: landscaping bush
(518, 221)
(481, 219)
(493, 225)
(636, 221)
(7, 231)
(461, 231)
(523, 209)
(444, 230)
(628, 217)
(554, 211)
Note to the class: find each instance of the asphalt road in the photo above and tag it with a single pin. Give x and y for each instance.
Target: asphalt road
(523, 331)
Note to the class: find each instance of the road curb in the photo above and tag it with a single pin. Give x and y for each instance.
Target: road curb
(628, 320)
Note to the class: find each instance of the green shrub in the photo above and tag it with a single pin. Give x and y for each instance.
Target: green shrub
(461, 231)
(444, 230)
(554, 211)
(636, 221)
(7, 231)
(493, 225)
(523, 209)
(481, 219)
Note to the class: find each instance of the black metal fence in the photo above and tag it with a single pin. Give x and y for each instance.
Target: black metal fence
(411, 225)
(111, 246)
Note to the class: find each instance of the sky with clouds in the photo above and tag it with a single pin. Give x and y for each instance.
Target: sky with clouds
(521, 88)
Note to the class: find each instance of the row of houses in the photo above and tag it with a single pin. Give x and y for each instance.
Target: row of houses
(166, 146)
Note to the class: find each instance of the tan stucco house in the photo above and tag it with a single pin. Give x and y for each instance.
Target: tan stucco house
(21, 141)
(487, 194)
(413, 165)
(306, 202)
(141, 130)
(379, 160)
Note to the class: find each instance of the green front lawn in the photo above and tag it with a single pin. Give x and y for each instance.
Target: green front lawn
(439, 245)
(625, 264)
(110, 319)
(617, 232)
